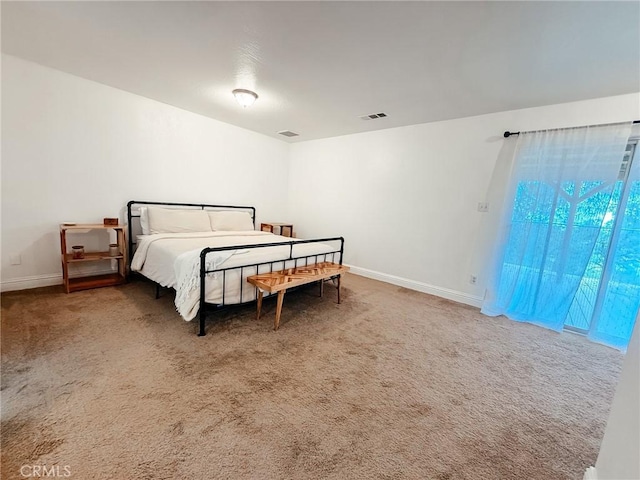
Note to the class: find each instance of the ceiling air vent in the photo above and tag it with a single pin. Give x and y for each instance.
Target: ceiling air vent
(373, 116)
(288, 133)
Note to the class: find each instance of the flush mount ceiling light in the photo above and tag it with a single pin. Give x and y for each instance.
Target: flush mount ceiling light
(245, 97)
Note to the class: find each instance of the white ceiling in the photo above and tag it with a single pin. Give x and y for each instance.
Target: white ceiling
(318, 66)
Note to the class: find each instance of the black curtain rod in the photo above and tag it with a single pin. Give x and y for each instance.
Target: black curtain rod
(507, 134)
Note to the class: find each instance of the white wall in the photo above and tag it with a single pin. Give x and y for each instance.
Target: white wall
(619, 457)
(76, 150)
(406, 198)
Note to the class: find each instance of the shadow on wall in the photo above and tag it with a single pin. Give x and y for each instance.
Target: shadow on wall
(41, 256)
(494, 139)
(42, 253)
(496, 195)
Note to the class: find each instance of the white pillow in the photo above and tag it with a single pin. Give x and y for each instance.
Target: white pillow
(144, 221)
(227, 220)
(167, 220)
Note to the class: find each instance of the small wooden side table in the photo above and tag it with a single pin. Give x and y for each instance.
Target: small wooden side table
(72, 284)
(285, 229)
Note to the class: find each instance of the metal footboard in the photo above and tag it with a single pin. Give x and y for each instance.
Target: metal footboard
(335, 255)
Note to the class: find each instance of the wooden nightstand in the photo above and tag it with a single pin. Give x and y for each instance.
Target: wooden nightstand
(285, 229)
(92, 281)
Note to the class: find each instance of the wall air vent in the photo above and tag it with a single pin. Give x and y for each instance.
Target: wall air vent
(288, 133)
(372, 116)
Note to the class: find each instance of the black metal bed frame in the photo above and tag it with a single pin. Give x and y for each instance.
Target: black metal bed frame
(267, 266)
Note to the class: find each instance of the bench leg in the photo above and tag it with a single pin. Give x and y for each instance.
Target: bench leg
(338, 287)
(321, 288)
(259, 304)
(279, 309)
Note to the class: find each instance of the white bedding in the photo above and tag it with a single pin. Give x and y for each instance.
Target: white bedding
(171, 259)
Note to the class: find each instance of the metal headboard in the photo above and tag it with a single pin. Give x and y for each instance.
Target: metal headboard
(135, 204)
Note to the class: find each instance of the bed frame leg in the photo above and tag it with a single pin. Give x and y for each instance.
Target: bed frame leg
(157, 291)
(203, 309)
(203, 315)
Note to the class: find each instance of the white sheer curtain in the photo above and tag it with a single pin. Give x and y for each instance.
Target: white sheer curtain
(557, 202)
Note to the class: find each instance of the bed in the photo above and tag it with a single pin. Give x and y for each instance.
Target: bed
(206, 252)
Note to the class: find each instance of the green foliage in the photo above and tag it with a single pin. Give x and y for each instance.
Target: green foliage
(566, 227)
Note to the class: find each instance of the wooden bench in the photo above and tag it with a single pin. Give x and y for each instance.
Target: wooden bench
(282, 280)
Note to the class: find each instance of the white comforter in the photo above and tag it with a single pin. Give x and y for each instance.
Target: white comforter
(173, 260)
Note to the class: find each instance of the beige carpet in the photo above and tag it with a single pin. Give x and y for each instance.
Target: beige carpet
(390, 384)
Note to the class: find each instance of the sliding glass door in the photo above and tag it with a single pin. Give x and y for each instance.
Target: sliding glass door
(569, 245)
(607, 301)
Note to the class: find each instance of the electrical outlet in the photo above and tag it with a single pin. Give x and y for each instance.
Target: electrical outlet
(15, 260)
(483, 207)
(473, 279)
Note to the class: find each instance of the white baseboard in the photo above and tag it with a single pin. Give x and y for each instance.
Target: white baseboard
(25, 283)
(47, 280)
(590, 474)
(419, 286)
(37, 281)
